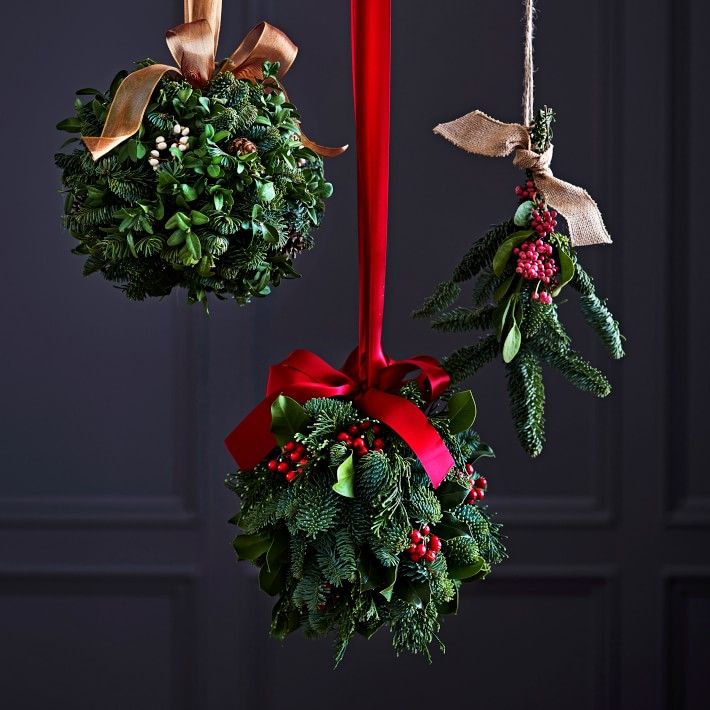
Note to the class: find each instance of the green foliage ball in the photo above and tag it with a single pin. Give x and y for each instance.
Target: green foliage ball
(226, 213)
(331, 535)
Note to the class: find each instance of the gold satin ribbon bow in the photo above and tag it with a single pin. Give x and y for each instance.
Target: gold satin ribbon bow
(478, 133)
(194, 48)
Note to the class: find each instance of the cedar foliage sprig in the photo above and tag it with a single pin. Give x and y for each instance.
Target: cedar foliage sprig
(331, 533)
(517, 314)
(225, 216)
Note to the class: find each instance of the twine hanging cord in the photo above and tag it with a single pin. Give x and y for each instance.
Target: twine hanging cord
(478, 133)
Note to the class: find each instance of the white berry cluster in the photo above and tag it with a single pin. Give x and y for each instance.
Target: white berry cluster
(181, 142)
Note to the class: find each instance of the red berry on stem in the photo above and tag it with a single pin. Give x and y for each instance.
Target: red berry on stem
(415, 536)
(289, 446)
(421, 549)
(473, 495)
(365, 425)
(469, 469)
(283, 467)
(294, 455)
(353, 429)
(303, 462)
(481, 482)
(359, 442)
(376, 429)
(412, 549)
(425, 529)
(481, 494)
(434, 543)
(291, 475)
(430, 555)
(272, 465)
(343, 436)
(379, 443)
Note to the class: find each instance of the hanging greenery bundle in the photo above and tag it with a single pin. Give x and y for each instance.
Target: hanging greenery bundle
(360, 503)
(519, 268)
(199, 178)
(348, 532)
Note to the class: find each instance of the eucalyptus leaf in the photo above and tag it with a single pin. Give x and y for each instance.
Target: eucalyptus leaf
(512, 343)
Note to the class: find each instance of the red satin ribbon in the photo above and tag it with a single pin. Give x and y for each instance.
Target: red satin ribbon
(369, 378)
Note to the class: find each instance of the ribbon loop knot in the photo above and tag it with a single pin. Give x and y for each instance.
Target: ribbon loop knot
(303, 376)
(478, 133)
(193, 46)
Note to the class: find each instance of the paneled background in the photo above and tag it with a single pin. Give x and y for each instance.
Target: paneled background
(118, 587)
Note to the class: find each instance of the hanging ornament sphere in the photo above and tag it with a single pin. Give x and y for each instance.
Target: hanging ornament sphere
(215, 193)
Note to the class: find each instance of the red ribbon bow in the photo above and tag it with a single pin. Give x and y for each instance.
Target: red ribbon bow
(369, 378)
(303, 375)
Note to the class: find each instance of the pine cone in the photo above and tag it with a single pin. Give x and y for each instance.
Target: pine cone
(241, 146)
(295, 244)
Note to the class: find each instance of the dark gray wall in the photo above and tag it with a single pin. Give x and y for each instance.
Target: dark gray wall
(118, 587)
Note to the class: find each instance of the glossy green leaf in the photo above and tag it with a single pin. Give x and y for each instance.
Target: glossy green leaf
(451, 494)
(522, 214)
(511, 346)
(199, 218)
(505, 250)
(566, 270)
(70, 125)
(345, 485)
(461, 412)
(475, 570)
(391, 573)
(288, 418)
(192, 242)
(450, 526)
(266, 191)
(251, 547)
(189, 192)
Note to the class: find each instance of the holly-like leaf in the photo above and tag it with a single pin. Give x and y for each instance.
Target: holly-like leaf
(462, 411)
(451, 494)
(450, 526)
(417, 595)
(522, 214)
(288, 418)
(512, 343)
(345, 485)
(502, 256)
(251, 547)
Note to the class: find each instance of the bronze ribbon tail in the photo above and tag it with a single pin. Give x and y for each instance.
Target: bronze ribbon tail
(478, 133)
(194, 49)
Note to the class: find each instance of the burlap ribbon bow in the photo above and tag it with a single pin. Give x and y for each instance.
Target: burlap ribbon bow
(194, 48)
(478, 133)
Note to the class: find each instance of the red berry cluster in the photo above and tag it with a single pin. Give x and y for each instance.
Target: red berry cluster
(356, 437)
(291, 461)
(526, 191)
(543, 221)
(478, 487)
(536, 263)
(424, 545)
